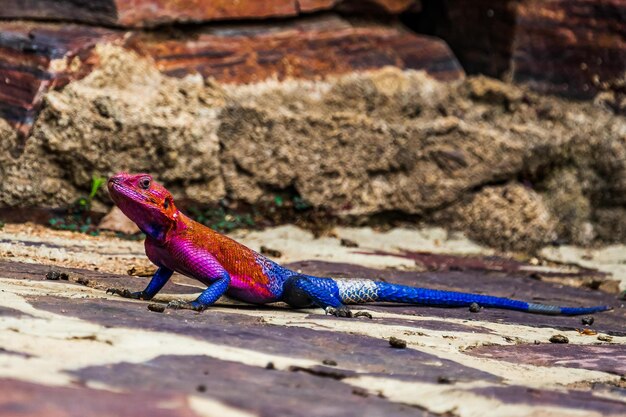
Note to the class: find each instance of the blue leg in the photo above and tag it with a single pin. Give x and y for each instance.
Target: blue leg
(305, 291)
(159, 279)
(208, 296)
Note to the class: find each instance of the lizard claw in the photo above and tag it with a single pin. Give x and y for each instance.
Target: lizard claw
(123, 292)
(362, 314)
(185, 305)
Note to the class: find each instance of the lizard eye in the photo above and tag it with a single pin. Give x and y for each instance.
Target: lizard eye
(144, 183)
(166, 203)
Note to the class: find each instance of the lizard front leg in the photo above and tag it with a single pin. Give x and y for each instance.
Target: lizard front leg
(159, 279)
(203, 266)
(207, 298)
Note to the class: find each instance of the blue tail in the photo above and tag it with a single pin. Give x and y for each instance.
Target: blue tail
(359, 291)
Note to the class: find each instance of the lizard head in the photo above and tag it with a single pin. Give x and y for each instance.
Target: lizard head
(145, 202)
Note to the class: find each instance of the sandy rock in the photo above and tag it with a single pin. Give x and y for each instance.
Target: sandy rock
(126, 116)
(359, 144)
(509, 217)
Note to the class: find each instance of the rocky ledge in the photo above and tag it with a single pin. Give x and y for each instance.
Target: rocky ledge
(476, 154)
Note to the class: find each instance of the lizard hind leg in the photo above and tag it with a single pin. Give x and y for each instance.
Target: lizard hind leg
(302, 291)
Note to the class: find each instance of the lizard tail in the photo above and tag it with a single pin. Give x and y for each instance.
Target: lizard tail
(362, 291)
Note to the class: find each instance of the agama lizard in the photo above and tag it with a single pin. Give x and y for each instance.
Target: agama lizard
(175, 242)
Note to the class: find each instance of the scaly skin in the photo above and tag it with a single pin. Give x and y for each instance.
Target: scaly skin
(174, 242)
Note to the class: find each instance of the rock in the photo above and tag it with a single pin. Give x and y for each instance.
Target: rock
(117, 221)
(416, 166)
(36, 57)
(306, 48)
(570, 47)
(510, 217)
(372, 143)
(126, 116)
(480, 32)
(559, 338)
(396, 343)
(149, 13)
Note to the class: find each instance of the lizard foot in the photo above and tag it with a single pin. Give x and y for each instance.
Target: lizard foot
(123, 292)
(344, 311)
(185, 305)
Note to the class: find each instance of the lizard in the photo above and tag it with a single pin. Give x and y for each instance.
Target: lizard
(176, 243)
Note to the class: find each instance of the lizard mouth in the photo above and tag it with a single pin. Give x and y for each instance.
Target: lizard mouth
(117, 189)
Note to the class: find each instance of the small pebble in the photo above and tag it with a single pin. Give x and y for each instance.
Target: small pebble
(587, 320)
(329, 362)
(270, 365)
(349, 243)
(605, 338)
(157, 308)
(444, 380)
(201, 388)
(360, 392)
(474, 308)
(559, 338)
(57, 275)
(396, 343)
(53, 275)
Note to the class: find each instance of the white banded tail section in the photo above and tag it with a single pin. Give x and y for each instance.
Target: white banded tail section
(357, 291)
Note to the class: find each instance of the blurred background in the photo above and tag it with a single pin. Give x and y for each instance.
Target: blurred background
(501, 119)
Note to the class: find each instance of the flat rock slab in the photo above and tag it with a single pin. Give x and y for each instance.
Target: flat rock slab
(606, 358)
(69, 349)
(24, 399)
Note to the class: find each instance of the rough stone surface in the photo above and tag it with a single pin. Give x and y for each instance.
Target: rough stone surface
(305, 48)
(35, 58)
(574, 48)
(38, 57)
(511, 217)
(236, 360)
(361, 144)
(142, 13)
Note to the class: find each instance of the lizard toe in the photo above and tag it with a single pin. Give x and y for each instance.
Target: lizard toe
(342, 311)
(123, 292)
(185, 305)
(362, 314)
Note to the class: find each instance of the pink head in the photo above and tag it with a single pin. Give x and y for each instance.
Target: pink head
(145, 202)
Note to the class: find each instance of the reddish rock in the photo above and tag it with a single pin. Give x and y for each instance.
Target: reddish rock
(140, 13)
(26, 399)
(480, 32)
(574, 48)
(36, 57)
(571, 47)
(306, 50)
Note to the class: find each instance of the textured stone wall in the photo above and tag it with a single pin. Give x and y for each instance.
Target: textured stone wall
(477, 154)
